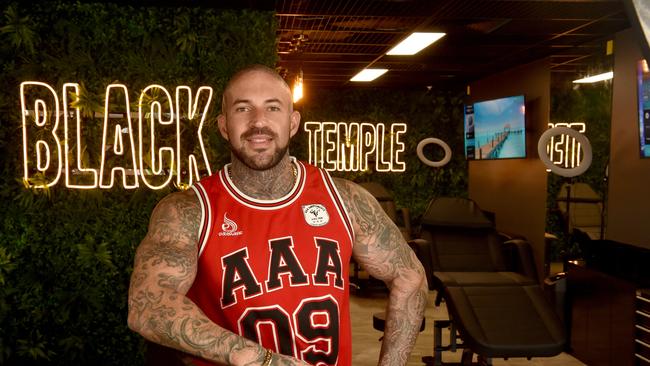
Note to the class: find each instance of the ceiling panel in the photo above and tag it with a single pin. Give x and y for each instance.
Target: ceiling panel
(330, 41)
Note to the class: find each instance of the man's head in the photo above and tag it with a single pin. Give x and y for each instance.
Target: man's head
(257, 117)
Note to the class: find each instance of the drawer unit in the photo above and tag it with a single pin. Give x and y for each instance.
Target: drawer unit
(642, 328)
(642, 334)
(643, 301)
(642, 319)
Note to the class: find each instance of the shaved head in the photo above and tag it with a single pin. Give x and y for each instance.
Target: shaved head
(248, 70)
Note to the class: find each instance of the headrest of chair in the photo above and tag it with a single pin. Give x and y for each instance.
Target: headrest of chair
(455, 212)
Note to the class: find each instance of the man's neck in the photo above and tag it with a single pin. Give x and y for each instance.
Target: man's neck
(267, 184)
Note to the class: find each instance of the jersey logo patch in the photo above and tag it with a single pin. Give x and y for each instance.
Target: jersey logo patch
(315, 214)
(229, 227)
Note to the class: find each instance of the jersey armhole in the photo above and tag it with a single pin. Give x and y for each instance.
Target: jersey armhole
(338, 200)
(206, 216)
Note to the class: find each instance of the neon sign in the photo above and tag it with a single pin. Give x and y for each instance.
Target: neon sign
(137, 159)
(563, 150)
(352, 147)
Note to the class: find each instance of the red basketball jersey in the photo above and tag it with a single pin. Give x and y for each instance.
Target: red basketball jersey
(276, 271)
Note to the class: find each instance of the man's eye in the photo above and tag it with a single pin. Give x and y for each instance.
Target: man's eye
(242, 109)
(274, 109)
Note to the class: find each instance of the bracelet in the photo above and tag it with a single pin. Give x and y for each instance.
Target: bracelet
(267, 358)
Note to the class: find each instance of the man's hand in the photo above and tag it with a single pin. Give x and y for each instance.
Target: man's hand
(277, 360)
(283, 360)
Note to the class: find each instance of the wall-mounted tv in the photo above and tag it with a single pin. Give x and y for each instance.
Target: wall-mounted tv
(643, 83)
(496, 129)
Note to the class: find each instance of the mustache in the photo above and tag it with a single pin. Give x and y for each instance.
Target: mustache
(258, 131)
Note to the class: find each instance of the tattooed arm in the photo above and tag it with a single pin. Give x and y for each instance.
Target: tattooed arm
(164, 270)
(381, 250)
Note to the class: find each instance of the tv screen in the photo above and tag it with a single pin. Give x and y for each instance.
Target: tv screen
(496, 129)
(643, 83)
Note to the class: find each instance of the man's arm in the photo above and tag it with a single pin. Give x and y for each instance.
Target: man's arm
(382, 251)
(164, 269)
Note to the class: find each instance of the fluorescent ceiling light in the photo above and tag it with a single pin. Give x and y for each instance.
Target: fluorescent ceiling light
(368, 74)
(415, 43)
(595, 78)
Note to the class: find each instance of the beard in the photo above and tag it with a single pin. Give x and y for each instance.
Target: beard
(259, 162)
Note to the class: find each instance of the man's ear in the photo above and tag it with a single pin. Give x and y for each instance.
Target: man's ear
(295, 122)
(221, 122)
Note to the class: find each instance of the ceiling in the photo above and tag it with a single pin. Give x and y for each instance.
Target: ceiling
(330, 41)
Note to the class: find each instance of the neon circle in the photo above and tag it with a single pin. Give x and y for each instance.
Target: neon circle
(586, 151)
(439, 142)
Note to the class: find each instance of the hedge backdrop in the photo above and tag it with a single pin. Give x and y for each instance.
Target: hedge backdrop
(66, 255)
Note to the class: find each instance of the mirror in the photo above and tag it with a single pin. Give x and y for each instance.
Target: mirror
(585, 108)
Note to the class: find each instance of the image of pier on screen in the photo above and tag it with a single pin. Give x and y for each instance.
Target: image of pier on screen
(643, 83)
(500, 128)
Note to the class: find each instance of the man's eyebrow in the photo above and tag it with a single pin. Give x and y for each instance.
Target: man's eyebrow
(271, 100)
(237, 101)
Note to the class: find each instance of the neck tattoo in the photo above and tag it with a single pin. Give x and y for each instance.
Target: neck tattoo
(260, 187)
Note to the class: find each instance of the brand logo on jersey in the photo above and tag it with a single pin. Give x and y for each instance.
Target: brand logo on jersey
(229, 227)
(315, 214)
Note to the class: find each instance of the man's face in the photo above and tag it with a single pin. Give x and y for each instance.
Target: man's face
(258, 119)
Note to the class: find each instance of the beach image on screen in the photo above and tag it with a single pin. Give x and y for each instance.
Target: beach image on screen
(500, 128)
(644, 107)
(469, 131)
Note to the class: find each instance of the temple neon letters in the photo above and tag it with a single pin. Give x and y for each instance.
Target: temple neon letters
(355, 146)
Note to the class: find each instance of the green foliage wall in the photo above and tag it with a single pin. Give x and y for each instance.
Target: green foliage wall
(434, 114)
(66, 255)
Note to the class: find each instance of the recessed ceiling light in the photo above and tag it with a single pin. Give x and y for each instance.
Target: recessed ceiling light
(368, 74)
(415, 43)
(595, 78)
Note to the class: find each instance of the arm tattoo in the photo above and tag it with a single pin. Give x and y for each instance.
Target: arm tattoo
(381, 249)
(164, 269)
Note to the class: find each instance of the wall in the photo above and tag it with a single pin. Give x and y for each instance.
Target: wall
(515, 189)
(628, 210)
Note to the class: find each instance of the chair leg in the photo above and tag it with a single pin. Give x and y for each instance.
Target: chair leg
(437, 346)
(454, 344)
(484, 361)
(437, 340)
(452, 338)
(466, 359)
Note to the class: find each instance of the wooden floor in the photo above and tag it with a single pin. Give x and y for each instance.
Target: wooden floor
(366, 344)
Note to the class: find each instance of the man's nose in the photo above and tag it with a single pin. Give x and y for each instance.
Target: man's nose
(258, 117)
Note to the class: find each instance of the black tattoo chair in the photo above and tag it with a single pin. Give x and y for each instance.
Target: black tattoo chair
(495, 303)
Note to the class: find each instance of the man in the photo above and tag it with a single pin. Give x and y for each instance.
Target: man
(250, 266)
